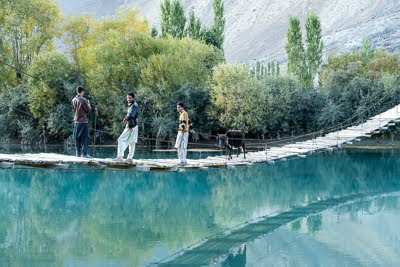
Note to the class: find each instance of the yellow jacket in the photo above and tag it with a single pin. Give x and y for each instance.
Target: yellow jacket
(184, 122)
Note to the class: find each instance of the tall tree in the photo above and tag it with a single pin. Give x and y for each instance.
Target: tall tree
(367, 52)
(314, 44)
(28, 28)
(219, 22)
(173, 19)
(193, 29)
(295, 50)
(165, 14)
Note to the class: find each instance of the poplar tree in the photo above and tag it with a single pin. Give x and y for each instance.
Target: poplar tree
(295, 51)
(273, 68)
(165, 15)
(278, 70)
(173, 19)
(269, 68)
(193, 29)
(367, 52)
(258, 70)
(219, 22)
(314, 45)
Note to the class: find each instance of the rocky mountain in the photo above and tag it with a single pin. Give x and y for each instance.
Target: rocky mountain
(256, 30)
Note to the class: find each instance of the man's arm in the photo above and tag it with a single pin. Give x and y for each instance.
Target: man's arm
(133, 114)
(86, 106)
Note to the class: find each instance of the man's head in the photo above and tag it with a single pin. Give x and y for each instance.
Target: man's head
(80, 91)
(130, 97)
(180, 106)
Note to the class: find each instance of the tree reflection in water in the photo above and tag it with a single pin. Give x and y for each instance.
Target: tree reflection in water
(52, 217)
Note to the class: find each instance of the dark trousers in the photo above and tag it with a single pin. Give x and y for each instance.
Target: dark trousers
(81, 136)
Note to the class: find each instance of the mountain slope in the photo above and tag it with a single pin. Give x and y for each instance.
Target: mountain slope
(257, 29)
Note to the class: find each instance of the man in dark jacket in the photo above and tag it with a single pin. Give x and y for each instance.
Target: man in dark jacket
(82, 109)
(130, 134)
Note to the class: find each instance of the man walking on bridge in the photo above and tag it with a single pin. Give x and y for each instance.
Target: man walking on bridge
(82, 109)
(130, 134)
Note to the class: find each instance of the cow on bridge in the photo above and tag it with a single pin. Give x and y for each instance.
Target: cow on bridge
(232, 139)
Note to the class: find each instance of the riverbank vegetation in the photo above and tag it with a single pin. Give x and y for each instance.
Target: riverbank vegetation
(183, 61)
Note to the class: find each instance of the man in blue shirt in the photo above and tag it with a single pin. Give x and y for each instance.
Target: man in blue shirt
(130, 134)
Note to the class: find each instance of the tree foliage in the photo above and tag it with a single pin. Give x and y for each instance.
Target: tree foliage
(295, 50)
(194, 28)
(28, 28)
(112, 56)
(359, 84)
(304, 62)
(175, 24)
(314, 44)
(238, 98)
(219, 22)
(51, 88)
(167, 71)
(173, 19)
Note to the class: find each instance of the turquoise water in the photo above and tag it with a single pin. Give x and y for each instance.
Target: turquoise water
(91, 217)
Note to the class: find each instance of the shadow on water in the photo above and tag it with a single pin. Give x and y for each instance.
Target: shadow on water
(122, 218)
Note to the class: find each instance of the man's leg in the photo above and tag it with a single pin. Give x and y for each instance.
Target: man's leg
(85, 139)
(123, 143)
(132, 141)
(184, 146)
(132, 147)
(77, 139)
(178, 145)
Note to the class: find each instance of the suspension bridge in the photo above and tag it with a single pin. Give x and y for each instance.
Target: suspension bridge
(321, 141)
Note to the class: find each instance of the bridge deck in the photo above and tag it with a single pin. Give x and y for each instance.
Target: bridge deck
(372, 126)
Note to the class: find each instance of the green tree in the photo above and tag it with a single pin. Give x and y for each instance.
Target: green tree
(295, 51)
(278, 69)
(279, 102)
(165, 8)
(238, 98)
(314, 45)
(359, 86)
(28, 28)
(368, 52)
(85, 31)
(111, 69)
(273, 69)
(173, 19)
(209, 37)
(166, 71)
(219, 22)
(52, 88)
(193, 29)
(154, 32)
(77, 31)
(14, 107)
(257, 70)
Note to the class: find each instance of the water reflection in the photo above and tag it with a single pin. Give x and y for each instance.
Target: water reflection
(236, 259)
(361, 233)
(91, 217)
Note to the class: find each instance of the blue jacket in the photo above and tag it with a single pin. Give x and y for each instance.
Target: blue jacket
(132, 115)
